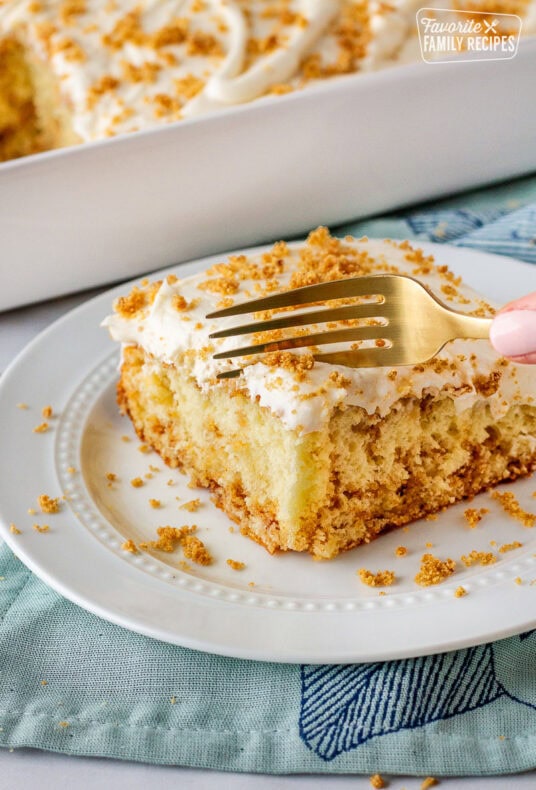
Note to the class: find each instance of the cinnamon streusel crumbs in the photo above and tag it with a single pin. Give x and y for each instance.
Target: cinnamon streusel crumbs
(478, 558)
(195, 550)
(155, 503)
(460, 592)
(191, 506)
(39, 528)
(42, 428)
(22, 406)
(48, 504)
(429, 782)
(236, 565)
(401, 551)
(297, 364)
(14, 530)
(518, 580)
(378, 579)
(32, 511)
(511, 506)
(377, 782)
(111, 477)
(137, 482)
(509, 546)
(129, 546)
(433, 570)
(47, 412)
(474, 516)
(169, 538)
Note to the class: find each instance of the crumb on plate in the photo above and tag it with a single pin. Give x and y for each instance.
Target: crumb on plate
(474, 516)
(195, 550)
(48, 504)
(377, 782)
(236, 565)
(478, 558)
(511, 506)
(433, 570)
(509, 546)
(378, 579)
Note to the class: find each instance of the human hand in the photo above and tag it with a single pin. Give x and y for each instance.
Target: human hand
(513, 330)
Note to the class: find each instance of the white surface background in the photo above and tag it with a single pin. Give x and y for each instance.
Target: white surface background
(28, 769)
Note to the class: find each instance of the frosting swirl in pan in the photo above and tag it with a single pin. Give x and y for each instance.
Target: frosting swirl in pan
(125, 65)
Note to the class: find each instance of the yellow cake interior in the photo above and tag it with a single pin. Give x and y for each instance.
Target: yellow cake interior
(328, 490)
(33, 115)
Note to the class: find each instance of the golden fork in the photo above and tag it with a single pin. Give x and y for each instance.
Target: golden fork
(415, 324)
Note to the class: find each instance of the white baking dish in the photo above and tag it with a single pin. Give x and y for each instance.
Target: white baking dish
(363, 144)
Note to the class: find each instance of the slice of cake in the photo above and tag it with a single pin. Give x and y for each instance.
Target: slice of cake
(305, 455)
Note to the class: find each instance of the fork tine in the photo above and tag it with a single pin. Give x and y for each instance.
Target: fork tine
(318, 338)
(376, 310)
(369, 285)
(379, 357)
(368, 357)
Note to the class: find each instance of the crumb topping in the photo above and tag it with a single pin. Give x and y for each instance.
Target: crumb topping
(236, 565)
(195, 550)
(48, 504)
(478, 558)
(377, 782)
(169, 538)
(191, 506)
(459, 592)
(401, 551)
(509, 546)
(433, 570)
(474, 516)
(378, 579)
(129, 546)
(511, 506)
(137, 482)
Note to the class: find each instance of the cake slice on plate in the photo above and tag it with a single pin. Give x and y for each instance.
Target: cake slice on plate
(304, 455)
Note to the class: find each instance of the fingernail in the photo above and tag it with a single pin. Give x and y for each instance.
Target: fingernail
(513, 334)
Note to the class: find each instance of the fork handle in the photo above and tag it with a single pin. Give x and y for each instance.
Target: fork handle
(469, 326)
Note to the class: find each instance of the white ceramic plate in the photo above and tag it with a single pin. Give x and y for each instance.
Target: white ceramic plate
(296, 609)
(346, 148)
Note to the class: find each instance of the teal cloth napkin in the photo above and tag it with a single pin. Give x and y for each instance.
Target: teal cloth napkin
(70, 682)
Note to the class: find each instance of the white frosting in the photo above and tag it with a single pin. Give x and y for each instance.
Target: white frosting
(166, 334)
(253, 52)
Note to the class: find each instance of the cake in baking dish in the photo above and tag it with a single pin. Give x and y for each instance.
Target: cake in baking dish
(81, 70)
(305, 455)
